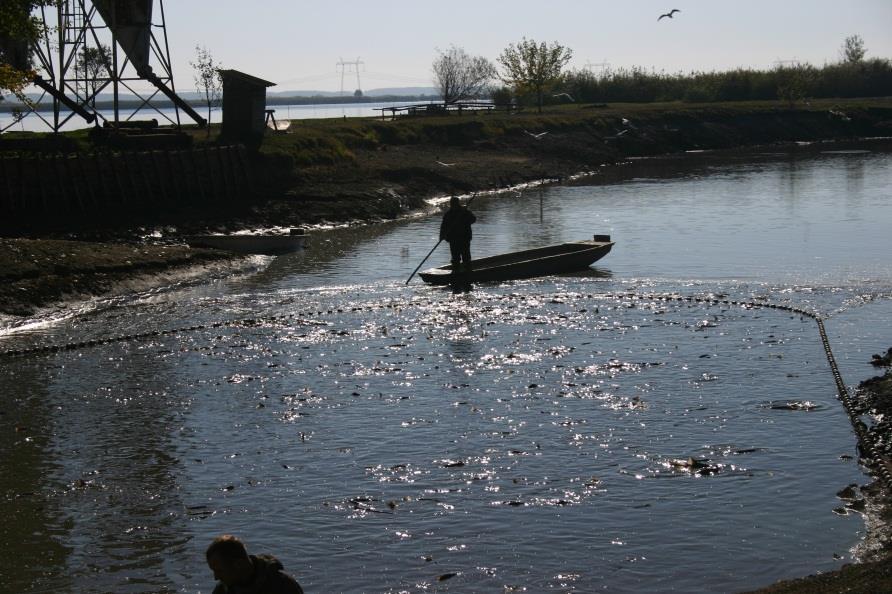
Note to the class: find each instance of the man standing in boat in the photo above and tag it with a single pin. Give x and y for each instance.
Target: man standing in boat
(456, 229)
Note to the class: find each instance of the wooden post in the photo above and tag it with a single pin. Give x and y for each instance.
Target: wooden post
(213, 175)
(89, 203)
(192, 163)
(161, 176)
(69, 184)
(225, 163)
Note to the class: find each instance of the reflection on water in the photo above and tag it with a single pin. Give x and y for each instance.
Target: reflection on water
(29, 503)
(553, 434)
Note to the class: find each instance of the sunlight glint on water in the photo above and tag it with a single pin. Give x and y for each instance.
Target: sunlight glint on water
(533, 434)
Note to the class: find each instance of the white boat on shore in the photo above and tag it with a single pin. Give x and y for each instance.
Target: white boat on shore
(265, 243)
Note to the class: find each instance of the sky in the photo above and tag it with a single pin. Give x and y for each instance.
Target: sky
(297, 44)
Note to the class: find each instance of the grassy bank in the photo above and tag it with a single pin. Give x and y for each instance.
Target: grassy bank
(381, 168)
(335, 170)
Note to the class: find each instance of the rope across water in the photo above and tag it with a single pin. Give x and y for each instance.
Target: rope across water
(882, 466)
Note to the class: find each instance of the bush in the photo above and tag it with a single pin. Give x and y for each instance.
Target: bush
(868, 78)
(501, 96)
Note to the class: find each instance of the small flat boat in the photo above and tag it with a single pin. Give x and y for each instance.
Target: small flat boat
(266, 243)
(554, 259)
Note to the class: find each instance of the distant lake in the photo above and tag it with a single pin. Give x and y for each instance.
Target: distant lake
(34, 123)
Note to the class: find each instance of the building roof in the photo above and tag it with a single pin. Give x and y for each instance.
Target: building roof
(246, 78)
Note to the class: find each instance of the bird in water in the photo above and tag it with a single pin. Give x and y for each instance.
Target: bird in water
(668, 14)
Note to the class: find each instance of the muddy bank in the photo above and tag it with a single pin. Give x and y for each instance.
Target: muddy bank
(41, 273)
(365, 169)
(373, 169)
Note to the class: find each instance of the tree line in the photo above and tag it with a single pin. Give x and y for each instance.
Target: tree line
(533, 73)
(527, 72)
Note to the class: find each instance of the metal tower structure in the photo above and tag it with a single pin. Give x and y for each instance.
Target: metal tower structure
(601, 66)
(92, 46)
(355, 67)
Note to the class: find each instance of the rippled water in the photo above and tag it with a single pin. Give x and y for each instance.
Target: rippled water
(539, 434)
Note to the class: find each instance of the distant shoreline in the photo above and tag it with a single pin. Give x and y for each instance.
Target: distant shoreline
(9, 107)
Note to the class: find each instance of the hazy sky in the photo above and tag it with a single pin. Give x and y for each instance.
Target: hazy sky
(297, 44)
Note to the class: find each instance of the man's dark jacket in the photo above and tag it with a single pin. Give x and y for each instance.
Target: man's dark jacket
(456, 225)
(269, 578)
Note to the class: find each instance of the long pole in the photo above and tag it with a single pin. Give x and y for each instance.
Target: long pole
(423, 261)
(435, 247)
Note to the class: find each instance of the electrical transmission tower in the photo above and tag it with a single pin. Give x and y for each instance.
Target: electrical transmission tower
(348, 67)
(90, 46)
(602, 66)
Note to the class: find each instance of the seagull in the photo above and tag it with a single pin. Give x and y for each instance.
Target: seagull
(669, 14)
(536, 136)
(445, 164)
(567, 95)
(841, 115)
(628, 123)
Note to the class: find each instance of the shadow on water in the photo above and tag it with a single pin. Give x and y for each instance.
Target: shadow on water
(95, 494)
(31, 536)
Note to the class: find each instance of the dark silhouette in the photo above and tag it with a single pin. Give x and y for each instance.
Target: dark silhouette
(456, 229)
(241, 573)
(668, 14)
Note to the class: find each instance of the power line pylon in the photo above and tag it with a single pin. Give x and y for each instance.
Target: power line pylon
(603, 66)
(355, 67)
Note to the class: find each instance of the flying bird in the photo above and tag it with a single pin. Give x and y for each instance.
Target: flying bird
(567, 95)
(536, 136)
(445, 164)
(669, 14)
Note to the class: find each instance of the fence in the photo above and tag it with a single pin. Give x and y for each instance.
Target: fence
(57, 185)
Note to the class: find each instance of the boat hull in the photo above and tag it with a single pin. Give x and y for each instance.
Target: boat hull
(556, 259)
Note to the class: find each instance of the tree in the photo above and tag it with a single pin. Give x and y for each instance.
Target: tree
(532, 67)
(459, 75)
(19, 30)
(853, 49)
(794, 84)
(208, 81)
(501, 96)
(94, 62)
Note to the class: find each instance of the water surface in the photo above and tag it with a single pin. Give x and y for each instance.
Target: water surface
(537, 434)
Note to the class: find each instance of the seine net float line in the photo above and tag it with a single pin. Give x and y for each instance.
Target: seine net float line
(882, 466)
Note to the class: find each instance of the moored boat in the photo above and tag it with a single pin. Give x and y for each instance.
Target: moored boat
(554, 259)
(268, 244)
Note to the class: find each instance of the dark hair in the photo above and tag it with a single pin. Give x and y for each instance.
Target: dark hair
(228, 548)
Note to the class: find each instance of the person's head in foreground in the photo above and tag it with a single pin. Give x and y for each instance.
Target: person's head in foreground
(237, 571)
